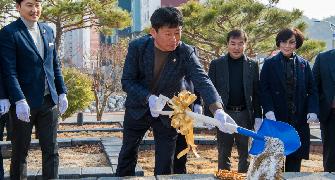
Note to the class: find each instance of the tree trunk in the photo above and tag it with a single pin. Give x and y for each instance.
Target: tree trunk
(103, 106)
(99, 115)
(58, 37)
(97, 105)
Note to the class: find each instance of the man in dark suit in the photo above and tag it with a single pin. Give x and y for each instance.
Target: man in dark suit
(155, 65)
(35, 86)
(236, 78)
(289, 93)
(324, 74)
(4, 108)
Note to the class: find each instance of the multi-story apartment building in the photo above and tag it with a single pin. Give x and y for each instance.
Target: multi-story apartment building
(141, 11)
(80, 45)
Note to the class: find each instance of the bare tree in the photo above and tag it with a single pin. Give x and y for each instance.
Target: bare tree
(107, 72)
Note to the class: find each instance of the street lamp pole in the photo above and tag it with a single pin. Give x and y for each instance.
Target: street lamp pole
(332, 28)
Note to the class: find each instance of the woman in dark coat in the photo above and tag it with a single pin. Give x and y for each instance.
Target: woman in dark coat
(288, 92)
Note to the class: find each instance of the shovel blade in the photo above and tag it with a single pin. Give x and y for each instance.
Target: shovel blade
(276, 129)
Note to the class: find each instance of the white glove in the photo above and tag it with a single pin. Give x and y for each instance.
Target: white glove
(312, 118)
(270, 115)
(22, 110)
(62, 103)
(152, 105)
(227, 124)
(197, 108)
(157, 104)
(258, 123)
(4, 106)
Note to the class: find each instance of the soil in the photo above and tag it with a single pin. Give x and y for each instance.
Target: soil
(88, 126)
(85, 133)
(89, 134)
(207, 163)
(80, 156)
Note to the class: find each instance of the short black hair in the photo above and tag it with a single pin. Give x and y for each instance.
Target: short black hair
(237, 33)
(19, 1)
(166, 16)
(287, 33)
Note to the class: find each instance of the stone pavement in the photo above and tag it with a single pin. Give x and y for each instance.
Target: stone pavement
(291, 176)
(91, 117)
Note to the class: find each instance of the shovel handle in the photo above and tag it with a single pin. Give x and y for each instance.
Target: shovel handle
(203, 118)
(164, 113)
(195, 116)
(249, 133)
(214, 122)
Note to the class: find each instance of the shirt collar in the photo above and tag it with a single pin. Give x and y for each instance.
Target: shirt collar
(29, 24)
(293, 56)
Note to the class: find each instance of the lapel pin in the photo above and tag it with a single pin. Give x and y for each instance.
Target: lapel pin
(174, 60)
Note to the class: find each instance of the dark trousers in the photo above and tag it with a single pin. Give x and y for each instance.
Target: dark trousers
(5, 122)
(328, 140)
(292, 164)
(179, 165)
(226, 141)
(133, 132)
(45, 119)
(1, 166)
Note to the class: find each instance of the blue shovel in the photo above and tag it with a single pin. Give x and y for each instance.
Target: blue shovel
(275, 129)
(269, 128)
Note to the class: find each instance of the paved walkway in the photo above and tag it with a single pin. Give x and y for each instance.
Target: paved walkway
(91, 117)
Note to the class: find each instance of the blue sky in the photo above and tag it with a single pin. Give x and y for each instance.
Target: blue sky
(318, 9)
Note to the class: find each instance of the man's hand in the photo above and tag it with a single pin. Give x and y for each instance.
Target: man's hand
(270, 115)
(258, 123)
(4, 106)
(227, 124)
(312, 118)
(62, 103)
(157, 104)
(152, 105)
(22, 110)
(197, 108)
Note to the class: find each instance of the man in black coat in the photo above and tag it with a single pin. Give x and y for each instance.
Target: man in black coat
(324, 74)
(236, 78)
(156, 65)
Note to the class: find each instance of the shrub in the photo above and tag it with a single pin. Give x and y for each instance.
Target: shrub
(80, 93)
